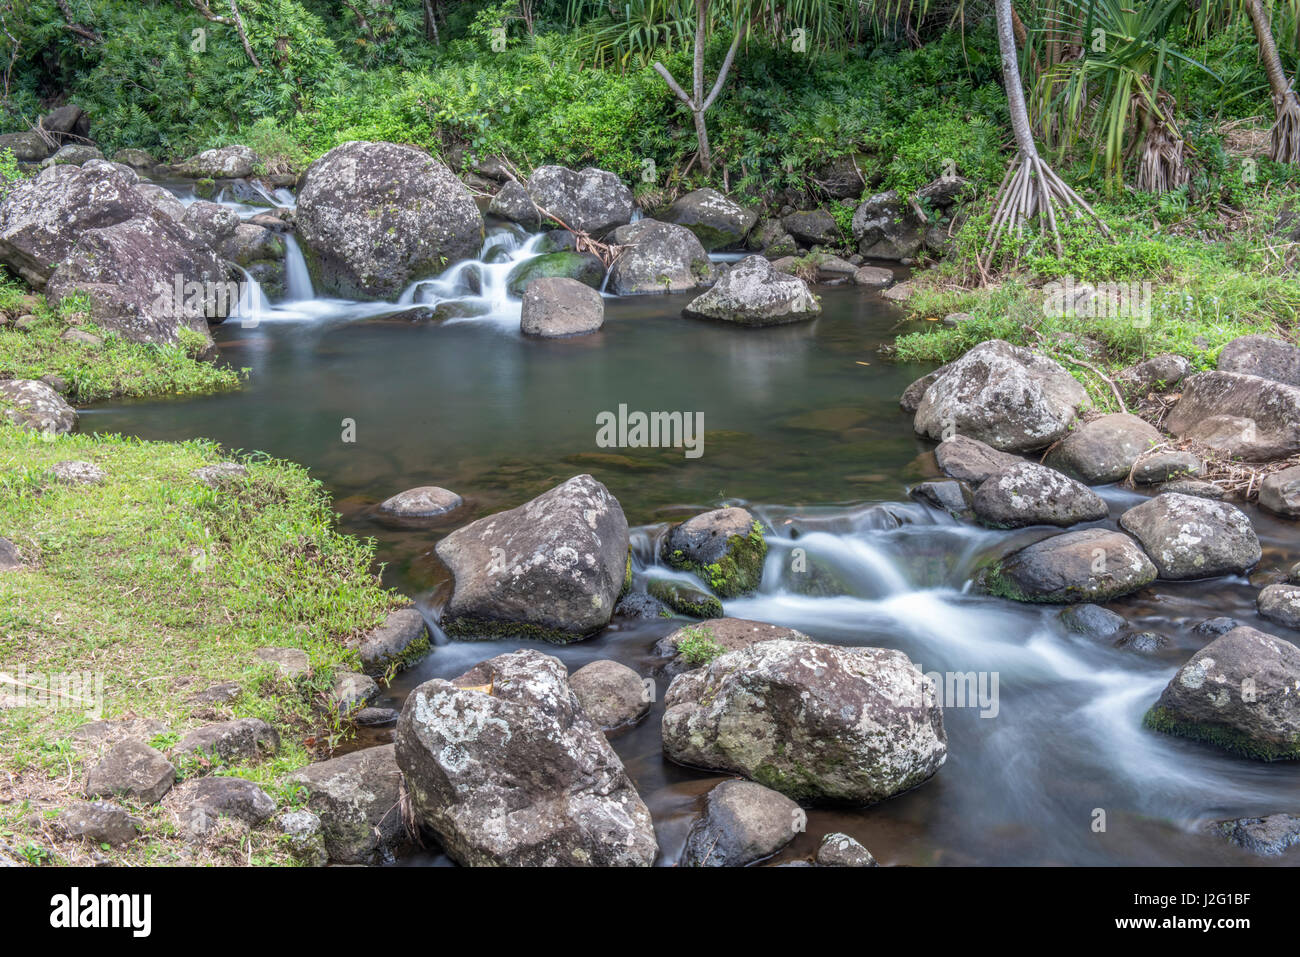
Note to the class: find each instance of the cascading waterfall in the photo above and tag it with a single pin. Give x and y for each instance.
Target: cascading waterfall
(297, 278)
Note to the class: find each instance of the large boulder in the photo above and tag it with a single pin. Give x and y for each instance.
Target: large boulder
(27, 146)
(812, 721)
(884, 227)
(1263, 356)
(43, 217)
(743, 822)
(1247, 416)
(970, 460)
(661, 257)
(1006, 396)
(560, 307)
(1105, 449)
(591, 200)
(716, 220)
(1237, 693)
(507, 769)
(564, 264)
(34, 405)
(1088, 565)
(724, 546)
(146, 278)
(375, 216)
(66, 123)
(1191, 537)
(1028, 494)
(752, 293)
(513, 203)
(551, 568)
(356, 797)
(1280, 493)
(814, 227)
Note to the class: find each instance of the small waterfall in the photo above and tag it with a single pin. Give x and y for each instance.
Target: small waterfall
(479, 287)
(297, 278)
(253, 306)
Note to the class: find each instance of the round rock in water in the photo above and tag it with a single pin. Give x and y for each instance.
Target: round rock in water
(840, 850)
(1104, 449)
(743, 822)
(1090, 565)
(558, 306)
(1191, 537)
(1281, 604)
(752, 293)
(611, 694)
(1029, 494)
(1280, 493)
(427, 501)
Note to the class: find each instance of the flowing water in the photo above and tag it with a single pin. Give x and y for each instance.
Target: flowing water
(802, 426)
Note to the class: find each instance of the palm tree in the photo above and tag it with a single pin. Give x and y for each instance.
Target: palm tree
(1031, 189)
(1284, 138)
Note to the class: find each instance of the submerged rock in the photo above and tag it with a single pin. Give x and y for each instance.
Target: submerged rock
(812, 721)
(840, 850)
(1190, 537)
(1008, 397)
(1268, 836)
(427, 501)
(1092, 621)
(507, 769)
(1028, 494)
(1089, 565)
(718, 222)
(661, 257)
(1237, 693)
(752, 293)
(743, 822)
(1105, 449)
(375, 216)
(725, 547)
(684, 599)
(552, 568)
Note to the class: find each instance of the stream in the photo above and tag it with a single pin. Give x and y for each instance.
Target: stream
(802, 426)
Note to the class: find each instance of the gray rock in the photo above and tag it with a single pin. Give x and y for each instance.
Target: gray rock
(507, 769)
(752, 293)
(1028, 494)
(717, 221)
(552, 568)
(814, 227)
(1003, 395)
(83, 338)
(199, 803)
(351, 691)
(592, 200)
(251, 243)
(1269, 836)
(427, 501)
(612, 694)
(221, 474)
(1190, 537)
(743, 822)
(98, 737)
(374, 717)
(684, 598)
(213, 223)
(1089, 565)
(223, 693)
(710, 639)
(1105, 449)
(136, 159)
(873, 277)
(394, 640)
(1160, 372)
(161, 200)
(885, 228)
(27, 146)
(1280, 604)
(356, 797)
(950, 495)
(955, 319)
(66, 122)
(911, 398)
(900, 292)
(513, 203)
(375, 216)
(11, 559)
(1191, 487)
(1143, 642)
(812, 721)
(131, 770)
(225, 162)
(1214, 627)
(1280, 493)
(661, 257)
(98, 822)
(34, 405)
(244, 739)
(584, 268)
(290, 662)
(74, 154)
(1092, 621)
(1247, 416)
(1157, 467)
(305, 835)
(1262, 356)
(560, 307)
(79, 473)
(725, 537)
(840, 850)
(1237, 693)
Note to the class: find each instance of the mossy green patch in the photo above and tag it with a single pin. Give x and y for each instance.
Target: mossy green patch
(685, 599)
(1166, 721)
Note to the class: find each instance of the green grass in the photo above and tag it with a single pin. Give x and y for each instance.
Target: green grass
(165, 587)
(115, 368)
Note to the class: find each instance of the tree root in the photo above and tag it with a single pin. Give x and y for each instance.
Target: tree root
(1284, 137)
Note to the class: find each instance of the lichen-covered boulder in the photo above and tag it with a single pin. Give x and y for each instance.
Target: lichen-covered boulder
(885, 228)
(356, 797)
(1089, 565)
(506, 768)
(725, 547)
(719, 222)
(224, 162)
(551, 568)
(1237, 693)
(1028, 494)
(376, 216)
(661, 257)
(34, 405)
(1192, 537)
(1247, 416)
(840, 850)
(1280, 604)
(1006, 396)
(1105, 449)
(752, 293)
(812, 721)
(43, 217)
(592, 200)
(743, 822)
(211, 222)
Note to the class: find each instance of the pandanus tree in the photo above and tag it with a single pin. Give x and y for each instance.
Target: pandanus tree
(1284, 138)
(1031, 189)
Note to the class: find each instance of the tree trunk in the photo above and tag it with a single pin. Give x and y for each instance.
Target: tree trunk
(1284, 138)
(1011, 80)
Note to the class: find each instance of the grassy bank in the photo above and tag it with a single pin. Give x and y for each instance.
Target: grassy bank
(165, 587)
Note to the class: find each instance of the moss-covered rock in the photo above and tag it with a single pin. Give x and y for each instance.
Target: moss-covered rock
(725, 547)
(584, 267)
(684, 598)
